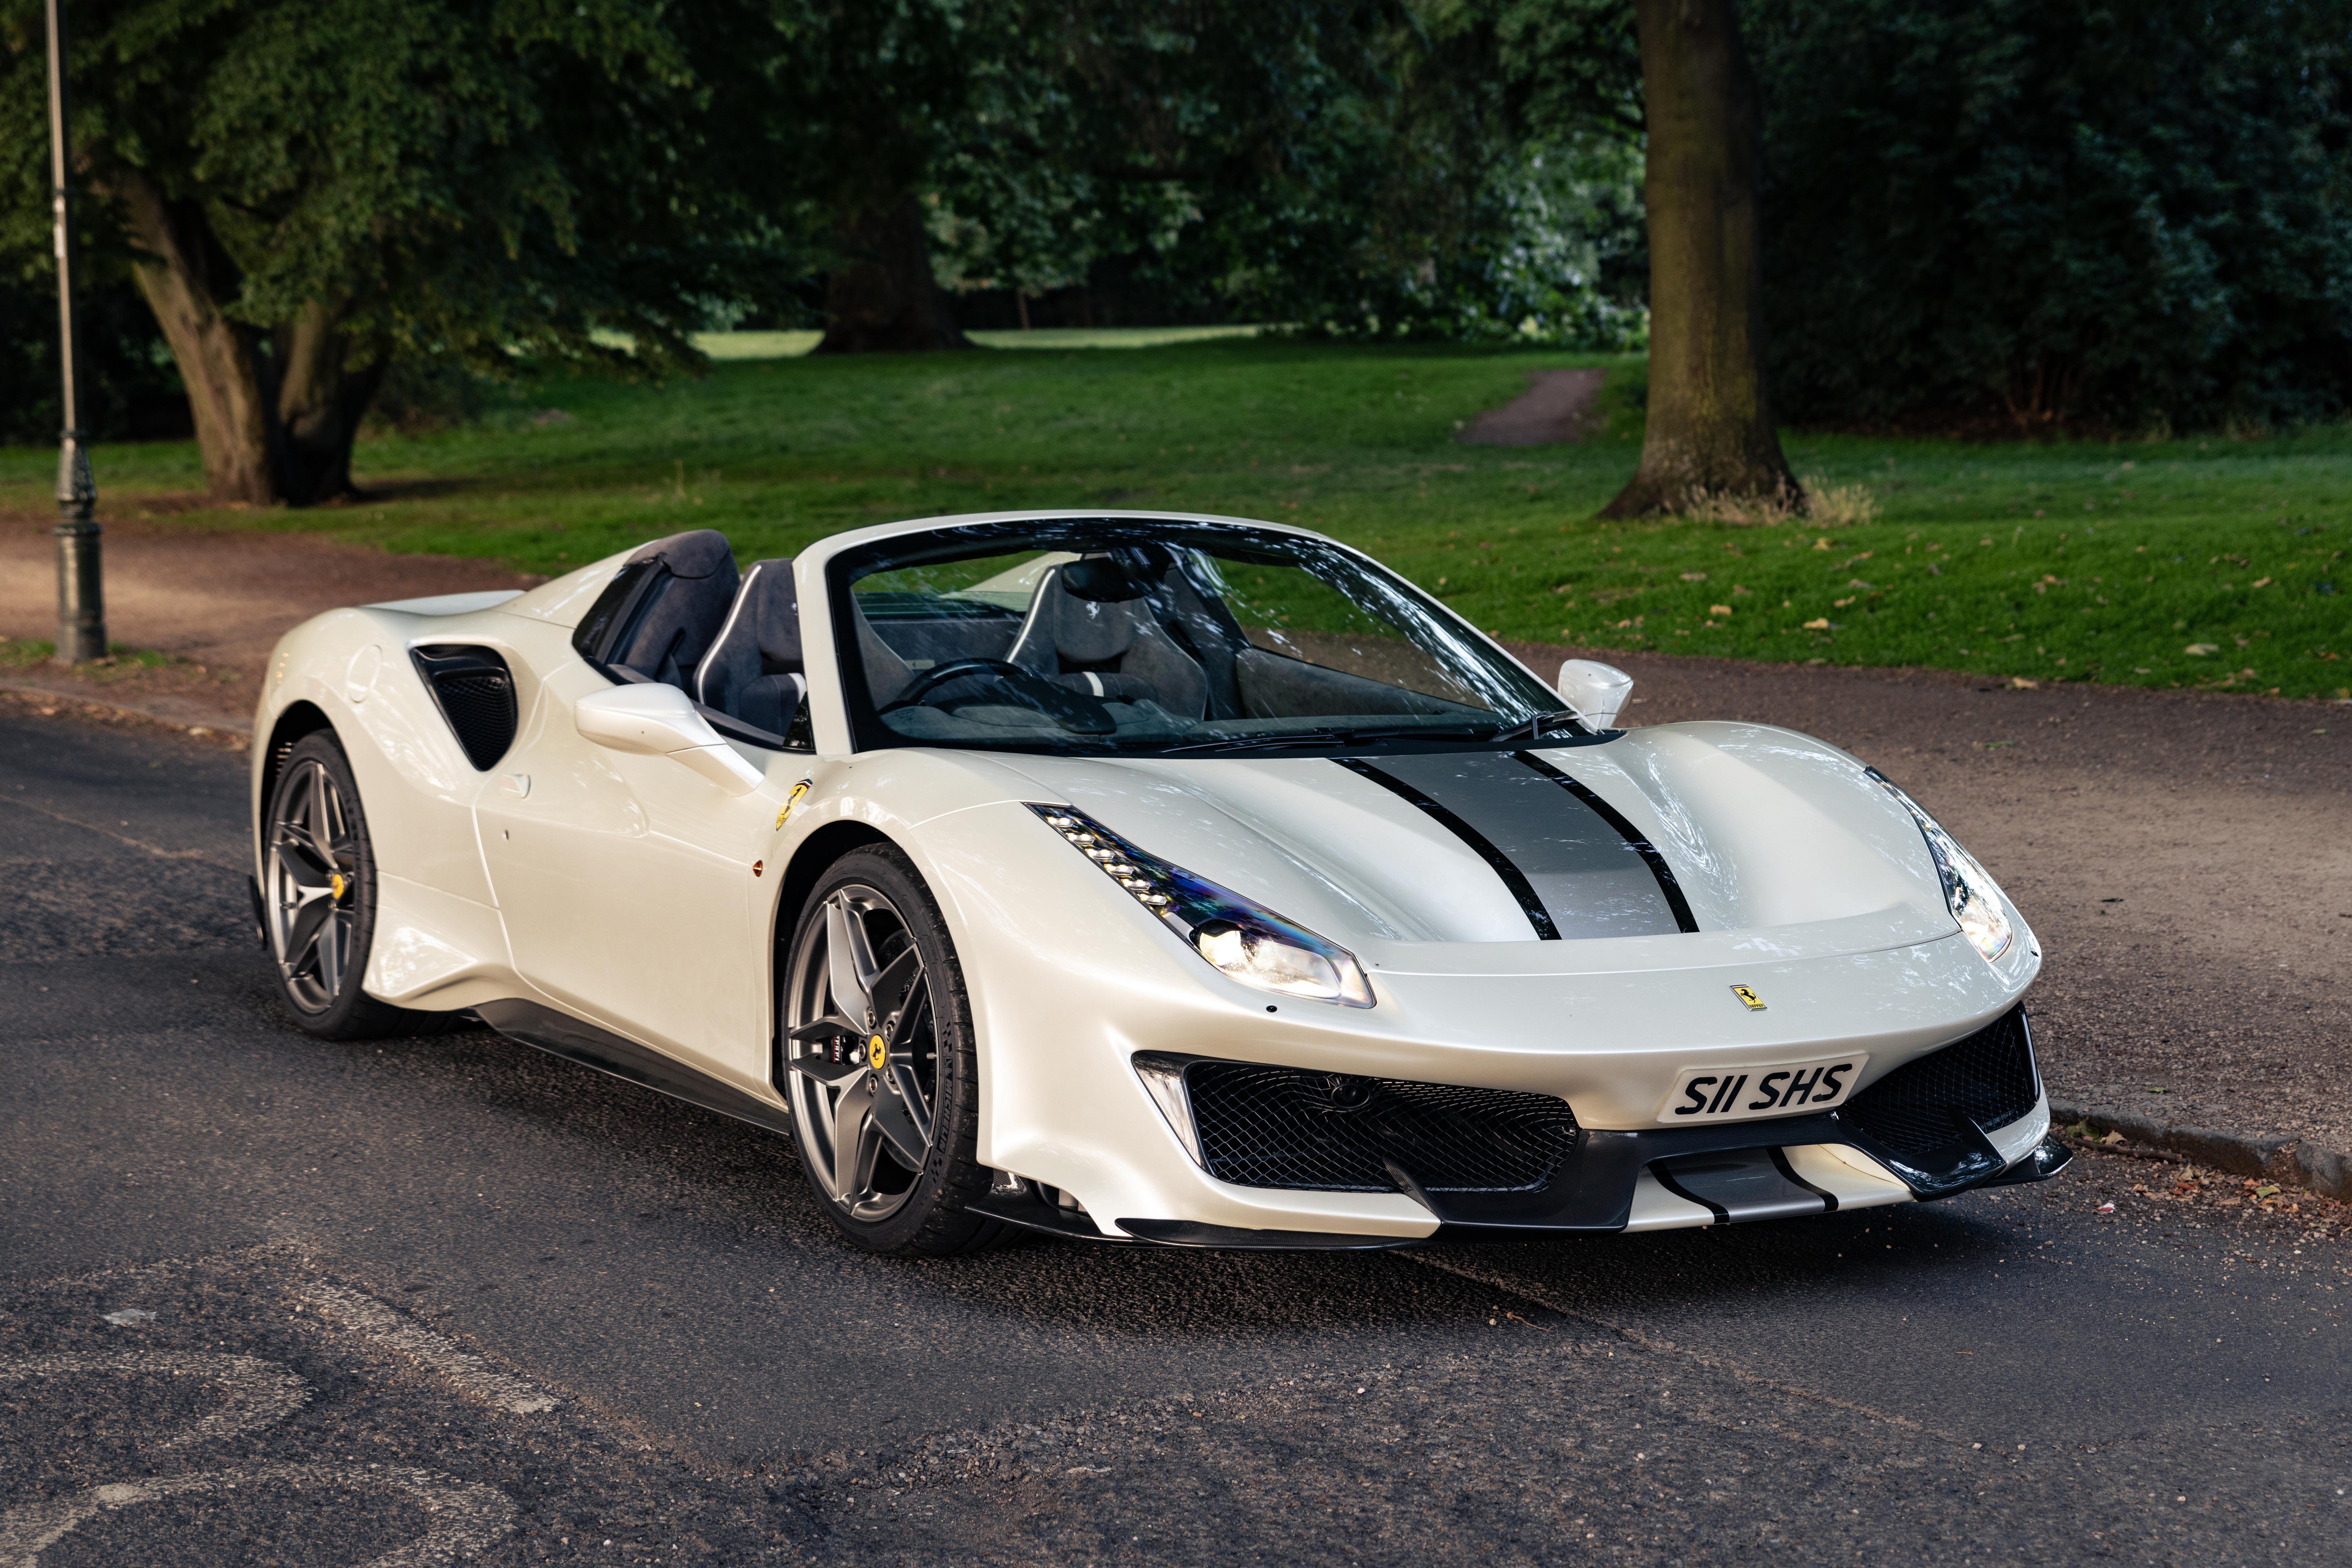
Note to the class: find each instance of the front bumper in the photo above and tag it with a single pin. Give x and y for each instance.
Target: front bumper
(1971, 1115)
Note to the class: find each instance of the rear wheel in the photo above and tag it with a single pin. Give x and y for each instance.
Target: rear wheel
(318, 893)
(879, 1061)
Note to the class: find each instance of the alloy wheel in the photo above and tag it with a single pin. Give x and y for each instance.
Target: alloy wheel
(311, 890)
(861, 1052)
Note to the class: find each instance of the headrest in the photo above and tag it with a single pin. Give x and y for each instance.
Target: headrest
(773, 605)
(1100, 579)
(701, 552)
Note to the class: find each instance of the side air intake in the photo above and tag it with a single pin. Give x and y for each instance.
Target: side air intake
(476, 692)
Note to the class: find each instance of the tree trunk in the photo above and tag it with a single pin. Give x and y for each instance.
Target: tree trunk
(882, 295)
(1710, 428)
(276, 415)
(182, 274)
(320, 403)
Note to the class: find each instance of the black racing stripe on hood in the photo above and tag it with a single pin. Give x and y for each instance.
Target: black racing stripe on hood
(1668, 884)
(1513, 877)
(1581, 865)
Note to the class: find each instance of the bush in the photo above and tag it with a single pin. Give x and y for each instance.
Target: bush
(2029, 217)
(130, 391)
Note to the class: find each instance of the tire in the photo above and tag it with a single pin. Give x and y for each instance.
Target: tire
(877, 1059)
(318, 895)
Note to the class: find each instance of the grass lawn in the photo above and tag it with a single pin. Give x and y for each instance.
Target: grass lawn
(2203, 562)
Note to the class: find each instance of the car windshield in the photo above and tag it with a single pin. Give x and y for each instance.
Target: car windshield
(1142, 638)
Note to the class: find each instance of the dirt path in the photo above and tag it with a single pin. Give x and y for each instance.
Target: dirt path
(217, 602)
(2186, 859)
(1556, 407)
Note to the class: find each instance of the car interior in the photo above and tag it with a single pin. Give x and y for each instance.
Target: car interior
(1138, 638)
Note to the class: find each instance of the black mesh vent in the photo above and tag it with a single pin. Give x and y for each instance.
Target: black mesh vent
(1280, 1127)
(1989, 1078)
(476, 695)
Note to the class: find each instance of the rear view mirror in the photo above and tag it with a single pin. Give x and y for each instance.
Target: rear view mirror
(1595, 690)
(658, 720)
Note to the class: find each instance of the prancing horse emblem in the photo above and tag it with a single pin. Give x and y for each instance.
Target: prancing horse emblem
(1748, 999)
(877, 1052)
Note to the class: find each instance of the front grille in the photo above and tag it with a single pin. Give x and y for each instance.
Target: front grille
(1324, 1132)
(476, 695)
(1988, 1079)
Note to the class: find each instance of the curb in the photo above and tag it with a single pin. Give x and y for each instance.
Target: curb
(201, 726)
(2288, 1161)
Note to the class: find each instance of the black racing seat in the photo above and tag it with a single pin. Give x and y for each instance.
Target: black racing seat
(753, 671)
(1090, 629)
(679, 614)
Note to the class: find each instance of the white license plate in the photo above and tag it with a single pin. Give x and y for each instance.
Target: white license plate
(1733, 1093)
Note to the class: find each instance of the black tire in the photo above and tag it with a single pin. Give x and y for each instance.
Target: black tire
(318, 895)
(898, 1061)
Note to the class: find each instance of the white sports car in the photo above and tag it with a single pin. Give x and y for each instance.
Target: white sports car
(1141, 878)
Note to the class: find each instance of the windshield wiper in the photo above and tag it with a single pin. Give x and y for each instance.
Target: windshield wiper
(1330, 736)
(1254, 742)
(1532, 728)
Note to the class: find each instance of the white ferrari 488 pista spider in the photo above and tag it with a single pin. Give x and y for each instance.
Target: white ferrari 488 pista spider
(1143, 879)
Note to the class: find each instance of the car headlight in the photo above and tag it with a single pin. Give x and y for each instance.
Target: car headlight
(1969, 891)
(1239, 936)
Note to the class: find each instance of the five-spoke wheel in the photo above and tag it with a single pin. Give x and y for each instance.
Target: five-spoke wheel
(318, 892)
(877, 1059)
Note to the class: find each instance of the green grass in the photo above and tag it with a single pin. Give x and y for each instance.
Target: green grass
(2042, 562)
(790, 345)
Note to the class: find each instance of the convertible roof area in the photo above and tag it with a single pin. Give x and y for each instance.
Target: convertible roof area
(730, 640)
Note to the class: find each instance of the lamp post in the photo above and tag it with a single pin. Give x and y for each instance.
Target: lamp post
(81, 607)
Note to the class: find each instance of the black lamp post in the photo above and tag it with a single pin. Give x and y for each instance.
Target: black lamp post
(81, 607)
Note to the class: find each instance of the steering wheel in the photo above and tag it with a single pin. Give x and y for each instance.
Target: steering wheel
(1030, 689)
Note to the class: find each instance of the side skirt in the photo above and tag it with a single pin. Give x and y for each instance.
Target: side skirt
(560, 1034)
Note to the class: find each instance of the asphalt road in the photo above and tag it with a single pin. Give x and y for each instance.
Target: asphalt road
(361, 1259)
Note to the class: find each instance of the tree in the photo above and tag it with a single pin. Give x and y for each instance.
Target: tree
(2017, 218)
(304, 190)
(1710, 425)
(868, 92)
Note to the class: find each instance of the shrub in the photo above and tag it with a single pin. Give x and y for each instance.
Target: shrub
(2032, 216)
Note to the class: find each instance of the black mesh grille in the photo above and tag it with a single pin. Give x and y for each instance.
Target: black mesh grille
(476, 696)
(1989, 1078)
(1280, 1127)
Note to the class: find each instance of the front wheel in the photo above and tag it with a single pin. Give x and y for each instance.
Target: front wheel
(879, 1061)
(318, 894)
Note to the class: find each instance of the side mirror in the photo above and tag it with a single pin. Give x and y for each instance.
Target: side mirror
(656, 720)
(1595, 690)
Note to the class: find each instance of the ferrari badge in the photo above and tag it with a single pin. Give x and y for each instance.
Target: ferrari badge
(877, 1052)
(792, 801)
(1748, 999)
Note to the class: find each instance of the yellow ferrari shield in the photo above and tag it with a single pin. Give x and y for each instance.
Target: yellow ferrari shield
(877, 1052)
(1748, 999)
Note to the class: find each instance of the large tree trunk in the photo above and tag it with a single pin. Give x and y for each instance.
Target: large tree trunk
(320, 400)
(1709, 426)
(276, 414)
(184, 273)
(882, 294)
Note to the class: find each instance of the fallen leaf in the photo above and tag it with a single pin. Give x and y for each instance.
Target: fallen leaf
(1820, 623)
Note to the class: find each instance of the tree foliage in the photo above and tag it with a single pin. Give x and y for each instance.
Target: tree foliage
(1455, 168)
(305, 191)
(2030, 216)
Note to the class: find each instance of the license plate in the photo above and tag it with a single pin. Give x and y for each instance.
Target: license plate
(1733, 1093)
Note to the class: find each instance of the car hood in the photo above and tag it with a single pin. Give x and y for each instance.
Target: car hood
(1774, 844)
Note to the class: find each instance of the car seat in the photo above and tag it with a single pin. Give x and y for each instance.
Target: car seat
(753, 669)
(1091, 630)
(682, 610)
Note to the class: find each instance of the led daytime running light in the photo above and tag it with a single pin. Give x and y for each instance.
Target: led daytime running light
(1969, 890)
(1238, 936)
